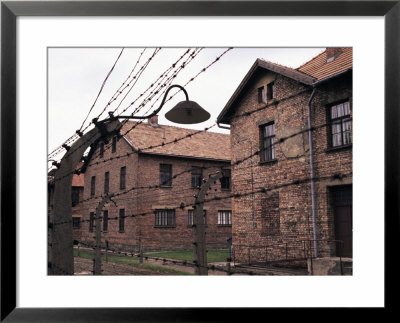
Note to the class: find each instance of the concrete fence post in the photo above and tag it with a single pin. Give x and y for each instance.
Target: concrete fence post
(61, 253)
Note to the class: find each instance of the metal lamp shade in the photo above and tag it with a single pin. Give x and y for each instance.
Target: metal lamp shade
(187, 112)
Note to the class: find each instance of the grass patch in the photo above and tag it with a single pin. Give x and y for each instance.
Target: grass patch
(214, 255)
(131, 261)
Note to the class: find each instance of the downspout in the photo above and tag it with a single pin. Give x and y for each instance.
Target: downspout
(314, 218)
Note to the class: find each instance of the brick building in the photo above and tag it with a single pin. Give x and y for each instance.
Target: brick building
(77, 186)
(154, 179)
(281, 211)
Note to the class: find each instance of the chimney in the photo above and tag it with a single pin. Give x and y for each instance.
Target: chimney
(153, 121)
(332, 53)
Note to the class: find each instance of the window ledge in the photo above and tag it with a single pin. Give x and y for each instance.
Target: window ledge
(164, 226)
(226, 189)
(224, 225)
(268, 162)
(165, 186)
(123, 231)
(339, 148)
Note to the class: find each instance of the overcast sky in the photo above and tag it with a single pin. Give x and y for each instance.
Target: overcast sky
(75, 76)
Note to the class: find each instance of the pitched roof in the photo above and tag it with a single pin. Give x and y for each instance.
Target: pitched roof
(319, 68)
(310, 73)
(77, 180)
(148, 139)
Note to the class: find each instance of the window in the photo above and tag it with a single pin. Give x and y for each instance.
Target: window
(270, 91)
(340, 124)
(261, 94)
(114, 145)
(76, 223)
(106, 182)
(93, 186)
(191, 217)
(102, 150)
(75, 196)
(122, 178)
(270, 215)
(164, 218)
(197, 175)
(224, 218)
(226, 179)
(105, 221)
(121, 220)
(268, 142)
(165, 175)
(91, 221)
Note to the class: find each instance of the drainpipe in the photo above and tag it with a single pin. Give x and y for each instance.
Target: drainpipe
(314, 220)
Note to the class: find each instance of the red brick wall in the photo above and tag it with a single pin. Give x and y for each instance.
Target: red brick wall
(287, 205)
(142, 172)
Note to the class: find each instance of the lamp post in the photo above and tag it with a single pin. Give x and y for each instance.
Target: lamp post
(61, 255)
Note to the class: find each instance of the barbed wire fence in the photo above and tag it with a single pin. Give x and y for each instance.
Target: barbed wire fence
(160, 85)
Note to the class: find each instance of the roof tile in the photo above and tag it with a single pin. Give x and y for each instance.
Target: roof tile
(149, 139)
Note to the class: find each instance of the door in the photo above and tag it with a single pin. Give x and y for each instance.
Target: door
(343, 219)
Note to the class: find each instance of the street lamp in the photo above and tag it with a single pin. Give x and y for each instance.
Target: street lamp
(61, 256)
(185, 112)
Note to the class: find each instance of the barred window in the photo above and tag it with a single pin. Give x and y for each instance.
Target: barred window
(106, 182)
(105, 221)
(340, 125)
(197, 175)
(76, 223)
(92, 185)
(164, 218)
(165, 175)
(91, 221)
(121, 220)
(224, 218)
(191, 217)
(122, 178)
(268, 142)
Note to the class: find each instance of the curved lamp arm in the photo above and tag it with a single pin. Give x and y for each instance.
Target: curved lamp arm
(156, 111)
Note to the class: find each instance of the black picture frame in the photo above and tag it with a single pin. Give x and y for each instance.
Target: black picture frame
(10, 10)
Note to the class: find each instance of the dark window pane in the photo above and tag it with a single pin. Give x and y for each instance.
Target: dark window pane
(165, 174)
(106, 182)
(122, 220)
(196, 177)
(122, 178)
(91, 222)
(76, 223)
(340, 124)
(261, 95)
(226, 179)
(268, 142)
(92, 185)
(75, 196)
(270, 91)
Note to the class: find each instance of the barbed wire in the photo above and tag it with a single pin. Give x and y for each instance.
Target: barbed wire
(339, 176)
